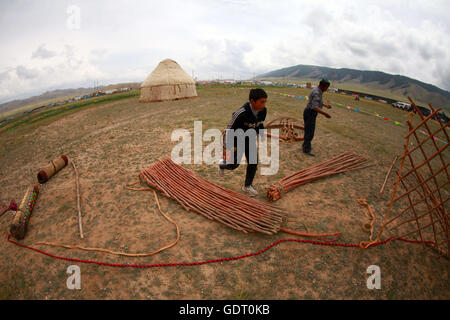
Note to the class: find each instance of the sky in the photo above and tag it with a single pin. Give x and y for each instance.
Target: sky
(61, 44)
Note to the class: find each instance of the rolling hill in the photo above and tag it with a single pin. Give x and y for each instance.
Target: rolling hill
(390, 86)
(10, 107)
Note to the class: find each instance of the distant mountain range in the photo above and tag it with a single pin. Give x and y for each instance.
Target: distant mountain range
(375, 82)
(56, 95)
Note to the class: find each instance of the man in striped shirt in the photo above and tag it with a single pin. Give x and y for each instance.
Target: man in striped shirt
(240, 136)
(313, 107)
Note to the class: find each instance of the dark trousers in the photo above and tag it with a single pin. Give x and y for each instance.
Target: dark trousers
(237, 156)
(309, 118)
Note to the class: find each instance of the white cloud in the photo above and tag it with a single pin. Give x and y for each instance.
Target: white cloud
(43, 53)
(26, 73)
(124, 40)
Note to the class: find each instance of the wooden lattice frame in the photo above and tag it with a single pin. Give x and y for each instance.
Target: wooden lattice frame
(417, 209)
(290, 131)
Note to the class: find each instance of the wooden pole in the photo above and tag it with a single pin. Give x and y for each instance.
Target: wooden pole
(387, 175)
(78, 199)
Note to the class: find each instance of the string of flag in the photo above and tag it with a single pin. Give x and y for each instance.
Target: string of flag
(350, 108)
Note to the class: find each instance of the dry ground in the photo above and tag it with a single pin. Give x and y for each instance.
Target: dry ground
(111, 142)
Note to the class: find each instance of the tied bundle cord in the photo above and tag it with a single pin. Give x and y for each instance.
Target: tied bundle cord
(122, 253)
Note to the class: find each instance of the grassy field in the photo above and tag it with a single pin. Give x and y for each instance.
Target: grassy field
(39, 101)
(39, 115)
(111, 142)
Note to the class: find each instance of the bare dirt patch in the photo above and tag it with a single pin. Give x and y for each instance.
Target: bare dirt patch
(111, 143)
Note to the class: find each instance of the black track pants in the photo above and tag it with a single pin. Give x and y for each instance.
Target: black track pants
(251, 168)
(309, 118)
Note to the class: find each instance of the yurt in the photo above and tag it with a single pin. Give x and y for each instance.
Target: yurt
(167, 82)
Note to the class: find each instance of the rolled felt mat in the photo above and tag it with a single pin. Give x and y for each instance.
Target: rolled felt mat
(52, 168)
(19, 226)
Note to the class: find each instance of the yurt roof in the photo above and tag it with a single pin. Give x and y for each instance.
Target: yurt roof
(168, 72)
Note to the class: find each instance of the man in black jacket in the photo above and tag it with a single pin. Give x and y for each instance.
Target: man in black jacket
(240, 136)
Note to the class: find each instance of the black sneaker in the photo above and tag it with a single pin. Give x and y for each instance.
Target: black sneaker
(221, 170)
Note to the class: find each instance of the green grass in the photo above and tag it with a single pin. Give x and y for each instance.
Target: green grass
(33, 118)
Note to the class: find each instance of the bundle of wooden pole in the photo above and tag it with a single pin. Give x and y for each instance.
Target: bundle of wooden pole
(52, 168)
(212, 201)
(346, 161)
(22, 217)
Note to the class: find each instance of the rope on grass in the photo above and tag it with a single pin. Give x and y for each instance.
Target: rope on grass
(54, 244)
(197, 263)
(367, 227)
(312, 235)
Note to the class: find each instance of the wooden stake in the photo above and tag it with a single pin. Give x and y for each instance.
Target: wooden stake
(78, 199)
(387, 175)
